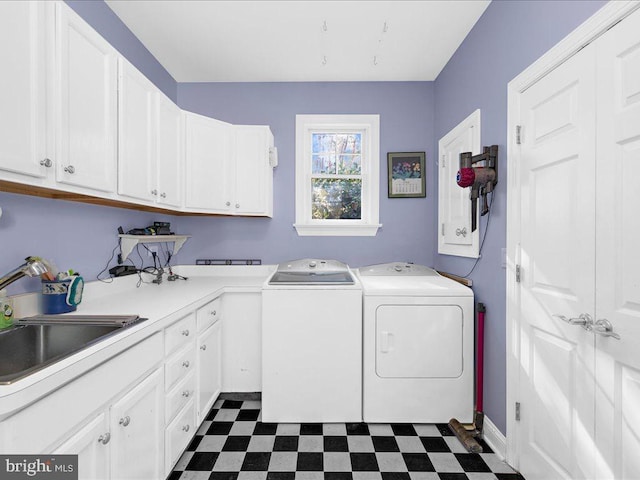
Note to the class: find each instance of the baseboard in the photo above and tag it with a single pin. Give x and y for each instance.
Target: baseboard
(494, 438)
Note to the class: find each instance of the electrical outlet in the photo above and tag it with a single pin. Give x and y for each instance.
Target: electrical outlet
(151, 250)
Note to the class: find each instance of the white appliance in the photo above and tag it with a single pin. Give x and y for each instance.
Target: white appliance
(418, 346)
(312, 343)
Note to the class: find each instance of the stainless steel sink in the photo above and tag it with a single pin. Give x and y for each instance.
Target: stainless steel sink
(36, 343)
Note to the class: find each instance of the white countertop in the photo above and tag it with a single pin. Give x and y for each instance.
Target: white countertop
(161, 304)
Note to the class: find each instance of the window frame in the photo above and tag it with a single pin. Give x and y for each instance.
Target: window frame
(369, 126)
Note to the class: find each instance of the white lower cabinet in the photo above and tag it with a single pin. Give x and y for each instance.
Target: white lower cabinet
(209, 371)
(136, 425)
(178, 434)
(92, 445)
(125, 440)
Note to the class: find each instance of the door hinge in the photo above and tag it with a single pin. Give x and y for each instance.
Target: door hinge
(518, 134)
(517, 411)
(442, 230)
(518, 273)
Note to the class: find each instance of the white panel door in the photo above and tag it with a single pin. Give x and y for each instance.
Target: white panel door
(209, 170)
(22, 88)
(252, 169)
(169, 152)
(209, 369)
(618, 261)
(137, 431)
(136, 134)
(454, 205)
(86, 104)
(92, 445)
(558, 270)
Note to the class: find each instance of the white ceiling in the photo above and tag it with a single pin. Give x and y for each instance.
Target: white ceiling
(295, 40)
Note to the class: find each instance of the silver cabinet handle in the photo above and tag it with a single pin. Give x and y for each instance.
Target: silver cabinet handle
(46, 162)
(584, 320)
(104, 439)
(213, 312)
(185, 428)
(163, 195)
(125, 421)
(154, 192)
(604, 328)
(70, 169)
(186, 393)
(228, 204)
(186, 364)
(185, 333)
(203, 347)
(462, 232)
(237, 205)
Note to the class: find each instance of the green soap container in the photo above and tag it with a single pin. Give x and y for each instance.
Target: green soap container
(6, 311)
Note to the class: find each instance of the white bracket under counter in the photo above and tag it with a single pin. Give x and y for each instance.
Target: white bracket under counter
(128, 242)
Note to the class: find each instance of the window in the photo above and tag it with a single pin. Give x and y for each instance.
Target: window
(337, 174)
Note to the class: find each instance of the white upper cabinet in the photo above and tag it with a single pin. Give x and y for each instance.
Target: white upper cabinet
(454, 205)
(169, 152)
(253, 175)
(22, 88)
(208, 163)
(136, 134)
(85, 98)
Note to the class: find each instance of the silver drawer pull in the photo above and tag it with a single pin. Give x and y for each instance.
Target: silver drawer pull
(186, 393)
(185, 333)
(163, 195)
(203, 347)
(154, 192)
(70, 169)
(46, 162)
(214, 312)
(186, 364)
(185, 428)
(125, 421)
(104, 439)
(228, 204)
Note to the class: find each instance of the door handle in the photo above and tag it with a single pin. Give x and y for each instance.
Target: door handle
(584, 320)
(604, 328)
(386, 342)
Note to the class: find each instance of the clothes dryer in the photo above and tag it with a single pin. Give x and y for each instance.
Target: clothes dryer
(418, 346)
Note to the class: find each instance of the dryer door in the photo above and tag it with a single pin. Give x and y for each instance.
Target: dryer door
(419, 341)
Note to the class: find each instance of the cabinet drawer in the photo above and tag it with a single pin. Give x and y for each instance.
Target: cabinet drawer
(179, 366)
(177, 398)
(179, 333)
(178, 435)
(209, 314)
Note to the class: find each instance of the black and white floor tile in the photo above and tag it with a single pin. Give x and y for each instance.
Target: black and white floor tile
(233, 444)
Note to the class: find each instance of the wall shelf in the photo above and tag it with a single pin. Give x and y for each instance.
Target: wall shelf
(128, 242)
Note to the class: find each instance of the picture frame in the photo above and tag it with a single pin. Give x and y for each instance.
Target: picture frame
(406, 175)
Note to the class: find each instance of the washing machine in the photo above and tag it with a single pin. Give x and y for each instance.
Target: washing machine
(312, 343)
(418, 346)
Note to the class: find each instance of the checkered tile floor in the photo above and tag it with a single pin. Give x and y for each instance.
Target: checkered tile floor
(232, 444)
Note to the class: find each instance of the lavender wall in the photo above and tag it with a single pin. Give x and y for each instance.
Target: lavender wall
(406, 124)
(98, 14)
(507, 38)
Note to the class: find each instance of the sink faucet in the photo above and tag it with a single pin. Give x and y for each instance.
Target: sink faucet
(32, 267)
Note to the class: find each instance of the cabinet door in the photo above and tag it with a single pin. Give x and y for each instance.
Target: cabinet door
(86, 102)
(136, 134)
(169, 152)
(22, 87)
(208, 164)
(137, 422)
(209, 381)
(91, 444)
(253, 174)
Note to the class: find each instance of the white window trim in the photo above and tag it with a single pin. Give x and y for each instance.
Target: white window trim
(368, 225)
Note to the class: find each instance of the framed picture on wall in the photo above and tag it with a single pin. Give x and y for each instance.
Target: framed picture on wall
(406, 173)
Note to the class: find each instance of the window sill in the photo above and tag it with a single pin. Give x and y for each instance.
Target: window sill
(337, 230)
